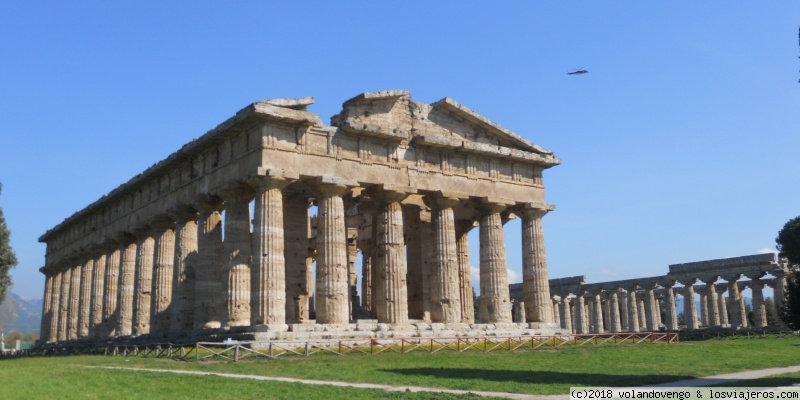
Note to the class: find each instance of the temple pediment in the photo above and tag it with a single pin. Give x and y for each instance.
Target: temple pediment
(392, 115)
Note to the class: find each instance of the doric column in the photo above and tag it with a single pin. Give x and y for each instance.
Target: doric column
(598, 313)
(74, 300)
(722, 305)
(111, 283)
(295, 222)
(237, 256)
(127, 277)
(623, 310)
(98, 285)
(613, 308)
(47, 303)
(184, 269)
(55, 307)
(640, 307)
(268, 268)
(390, 260)
(689, 305)
(702, 293)
(580, 314)
(556, 309)
(669, 312)
(332, 275)
(633, 312)
(420, 261)
(85, 313)
(464, 271)
(208, 274)
(566, 313)
(495, 297)
(711, 302)
(366, 278)
(606, 312)
(535, 285)
(143, 276)
(445, 295)
(657, 312)
(63, 311)
(163, 264)
(759, 311)
(738, 317)
(650, 309)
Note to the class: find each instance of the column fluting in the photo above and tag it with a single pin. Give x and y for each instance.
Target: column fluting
(127, 282)
(535, 283)
(445, 294)
(143, 277)
(184, 269)
(163, 264)
(237, 255)
(495, 301)
(208, 273)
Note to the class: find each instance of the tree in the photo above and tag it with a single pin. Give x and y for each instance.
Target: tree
(769, 305)
(790, 312)
(7, 257)
(788, 241)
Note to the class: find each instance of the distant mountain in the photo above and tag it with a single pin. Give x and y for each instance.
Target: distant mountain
(20, 315)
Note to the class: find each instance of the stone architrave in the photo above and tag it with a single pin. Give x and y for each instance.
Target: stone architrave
(535, 284)
(163, 264)
(268, 268)
(145, 248)
(295, 222)
(390, 260)
(74, 301)
(445, 294)
(98, 284)
(237, 256)
(127, 282)
(184, 269)
(495, 301)
(464, 272)
(566, 314)
(633, 313)
(613, 309)
(208, 273)
(332, 286)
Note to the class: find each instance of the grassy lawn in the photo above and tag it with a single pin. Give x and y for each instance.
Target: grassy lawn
(545, 372)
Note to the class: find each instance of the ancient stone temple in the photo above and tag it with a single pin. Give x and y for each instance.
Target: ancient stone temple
(220, 236)
(648, 304)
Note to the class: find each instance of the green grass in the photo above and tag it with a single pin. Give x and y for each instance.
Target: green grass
(544, 372)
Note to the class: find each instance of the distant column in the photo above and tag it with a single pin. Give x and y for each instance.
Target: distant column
(650, 309)
(84, 314)
(640, 307)
(108, 327)
(566, 313)
(556, 310)
(703, 306)
(689, 306)
(74, 300)
(63, 312)
(738, 317)
(598, 313)
(633, 313)
(55, 307)
(44, 330)
(669, 312)
(295, 221)
(623, 311)
(711, 306)
(143, 276)
(722, 305)
(759, 311)
(580, 315)
(98, 284)
(163, 264)
(237, 255)
(464, 272)
(613, 307)
(184, 269)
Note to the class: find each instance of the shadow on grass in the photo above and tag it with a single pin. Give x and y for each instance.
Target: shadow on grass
(539, 377)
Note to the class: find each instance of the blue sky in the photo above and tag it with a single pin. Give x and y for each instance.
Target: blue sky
(679, 145)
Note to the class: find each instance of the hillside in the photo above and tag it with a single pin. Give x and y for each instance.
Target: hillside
(20, 315)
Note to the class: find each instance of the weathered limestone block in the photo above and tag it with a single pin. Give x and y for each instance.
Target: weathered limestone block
(535, 283)
(332, 274)
(145, 248)
(161, 297)
(237, 253)
(126, 283)
(495, 298)
(184, 270)
(208, 274)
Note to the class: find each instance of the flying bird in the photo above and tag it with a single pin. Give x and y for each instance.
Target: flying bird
(578, 72)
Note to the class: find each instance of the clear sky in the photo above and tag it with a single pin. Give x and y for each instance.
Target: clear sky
(680, 144)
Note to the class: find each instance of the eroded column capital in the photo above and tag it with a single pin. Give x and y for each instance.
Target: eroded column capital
(491, 205)
(534, 210)
(756, 275)
(732, 277)
(330, 185)
(208, 203)
(440, 200)
(143, 231)
(183, 213)
(236, 191)
(124, 238)
(162, 223)
(266, 179)
(387, 193)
